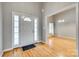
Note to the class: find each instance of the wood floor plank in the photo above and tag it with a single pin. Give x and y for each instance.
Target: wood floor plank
(56, 47)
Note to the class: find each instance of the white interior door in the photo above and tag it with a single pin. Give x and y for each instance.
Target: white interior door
(26, 31)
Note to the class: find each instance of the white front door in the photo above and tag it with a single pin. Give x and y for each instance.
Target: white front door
(26, 31)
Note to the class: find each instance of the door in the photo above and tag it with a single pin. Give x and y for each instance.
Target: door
(26, 30)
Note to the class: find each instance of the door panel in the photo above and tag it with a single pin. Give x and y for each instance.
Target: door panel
(26, 32)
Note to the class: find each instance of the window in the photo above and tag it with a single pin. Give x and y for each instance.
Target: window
(51, 28)
(35, 29)
(16, 30)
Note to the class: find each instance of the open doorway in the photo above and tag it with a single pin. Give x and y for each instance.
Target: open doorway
(61, 32)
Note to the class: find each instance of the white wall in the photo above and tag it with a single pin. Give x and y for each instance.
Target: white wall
(32, 8)
(51, 7)
(0, 27)
(68, 27)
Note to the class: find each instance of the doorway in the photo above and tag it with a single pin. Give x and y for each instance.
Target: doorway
(64, 38)
(24, 29)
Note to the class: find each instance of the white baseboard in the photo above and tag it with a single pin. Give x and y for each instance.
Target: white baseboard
(1, 53)
(7, 49)
(39, 41)
(66, 37)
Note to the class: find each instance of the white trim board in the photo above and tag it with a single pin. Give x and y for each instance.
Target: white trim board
(1, 53)
(7, 49)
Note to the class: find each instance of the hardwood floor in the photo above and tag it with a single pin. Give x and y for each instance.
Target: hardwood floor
(56, 47)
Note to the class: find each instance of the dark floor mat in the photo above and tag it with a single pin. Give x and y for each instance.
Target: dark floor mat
(28, 47)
